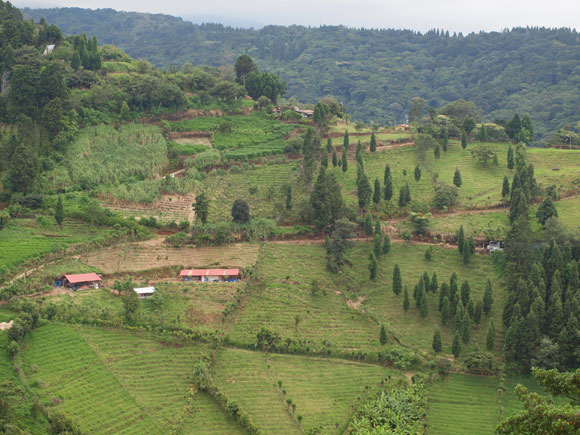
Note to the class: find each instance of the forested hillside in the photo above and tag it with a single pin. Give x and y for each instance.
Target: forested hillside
(375, 73)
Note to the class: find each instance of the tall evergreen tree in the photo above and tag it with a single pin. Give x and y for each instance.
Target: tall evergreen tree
(377, 248)
(437, 345)
(456, 347)
(423, 308)
(457, 178)
(445, 141)
(490, 340)
(487, 297)
(345, 142)
(334, 158)
(406, 302)
(373, 266)
(510, 158)
(465, 293)
(386, 244)
(368, 224)
(466, 329)
(437, 151)
(478, 312)
(434, 283)
(505, 190)
(466, 255)
(546, 210)
(388, 192)
(76, 61)
(482, 133)
(443, 293)
(377, 192)
(344, 161)
(463, 140)
(387, 174)
(383, 336)
(461, 240)
(453, 291)
(417, 173)
(445, 310)
(426, 281)
(397, 281)
(329, 146)
(373, 145)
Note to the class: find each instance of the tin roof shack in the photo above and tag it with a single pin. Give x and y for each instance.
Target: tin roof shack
(144, 292)
(210, 275)
(80, 281)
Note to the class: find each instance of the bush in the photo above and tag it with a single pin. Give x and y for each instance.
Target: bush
(445, 195)
(240, 211)
(207, 158)
(480, 363)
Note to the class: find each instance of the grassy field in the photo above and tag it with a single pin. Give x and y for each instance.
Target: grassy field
(26, 239)
(350, 313)
(568, 212)
(463, 404)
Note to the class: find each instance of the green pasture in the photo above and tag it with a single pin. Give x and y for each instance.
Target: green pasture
(569, 212)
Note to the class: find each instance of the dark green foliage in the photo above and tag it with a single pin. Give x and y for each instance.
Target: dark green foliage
(429, 253)
(546, 210)
(59, 211)
(457, 178)
(417, 173)
(468, 125)
(240, 211)
(434, 283)
(329, 146)
(406, 302)
(377, 192)
(445, 140)
(288, 197)
(364, 192)
(326, 200)
(445, 195)
(201, 207)
(461, 239)
(466, 329)
(483, 133)
(386, 244)
(397, 281)
(426, 281)
(373, 144)
(377, 248)
(423, 306)
(463, 140)
(510, 158)
(456, 347)
(437, 344)
(131, 306)
(437, 151)
(373, 266)
(505, 190)
(334, 158)
(487, 298)
(466, 254)
(344, 165)
(263, 83)
(490, 339)
(368, 224)
(339, 244)
(383, 336)
(445, 310)
(388, 181)
(443, 293)
(404, 195)
(345, 142)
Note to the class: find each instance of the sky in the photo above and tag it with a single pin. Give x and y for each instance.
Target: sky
(422, 15)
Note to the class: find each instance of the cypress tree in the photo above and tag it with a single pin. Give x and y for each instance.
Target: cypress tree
(429, 253)
(546, 210)
(555, 315)
(505, 190)
(289, 197)
(373, 266)
(324, 160)
(378, 229)
(334, 158)
(482, 133)
(426, 281)
(437, 151)
(377, 192)
(510, 158)
(406, 300)
(490, 340)
(443, 293)
(417, 293)
(364, 192)
(417, 173)
(386, 244)
(434, 283)
(388, 192)
(329, 146)
(457, 178)
(359, 150)
(345, 141)
(445, 139)
(471, 244)
(445, 310)
(466, 255)
(453, 291)
(377, 249)
(344, 161)
(373, 145)
(387, 174)
(383, 336)
(487, 297)
(397, 281)
(437, 345)
(466, 329)
(59, 211)
(76, 61)
(459, 315)
(470, 309)
(463, 140)
(456, 347)
(368, 224)
(461, 239)
(423, 308)
(465, 293)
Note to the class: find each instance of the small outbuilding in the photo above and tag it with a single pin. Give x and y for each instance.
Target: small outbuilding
(495, 246)
(210, 275)
(80, 281)
(48, 50)
(144, 292)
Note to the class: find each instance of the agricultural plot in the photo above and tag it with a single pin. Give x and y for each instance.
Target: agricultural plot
(568, 210)
(251, 136)
(556, 167)
(208, 417)
(463, 404)
(349, 309)
(510, 402)
(153, 254)
(26, 239)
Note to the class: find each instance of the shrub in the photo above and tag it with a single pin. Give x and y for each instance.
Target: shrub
(240, 211)
(207, 158)
(445, 195)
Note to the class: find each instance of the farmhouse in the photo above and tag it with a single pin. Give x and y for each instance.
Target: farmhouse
(80, 281)
(304, 113)
(210, 275)
(495, 246)
(402, 127)
(144, 292)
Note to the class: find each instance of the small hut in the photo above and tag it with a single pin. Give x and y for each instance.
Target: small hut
(144, 292)
(80, 281)
(210, 275)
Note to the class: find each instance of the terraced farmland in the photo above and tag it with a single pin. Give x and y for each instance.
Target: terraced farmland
(463, 404)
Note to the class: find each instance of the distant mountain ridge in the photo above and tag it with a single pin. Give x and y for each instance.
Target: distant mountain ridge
(375, 73)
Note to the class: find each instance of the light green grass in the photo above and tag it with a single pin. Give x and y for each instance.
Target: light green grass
(569, 212)
(463, 404)
(510, 401)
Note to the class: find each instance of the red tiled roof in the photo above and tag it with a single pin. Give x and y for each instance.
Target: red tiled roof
(83, 277)
(210, 272)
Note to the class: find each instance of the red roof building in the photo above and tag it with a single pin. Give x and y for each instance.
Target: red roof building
(209, 275)
(82, 280)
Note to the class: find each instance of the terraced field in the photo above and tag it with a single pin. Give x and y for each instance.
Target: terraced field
(463, 404)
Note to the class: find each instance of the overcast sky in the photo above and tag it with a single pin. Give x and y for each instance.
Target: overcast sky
(454, 15)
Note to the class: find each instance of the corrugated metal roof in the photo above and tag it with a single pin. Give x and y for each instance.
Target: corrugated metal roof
(83, 277)
(210, 272)
(144, 290)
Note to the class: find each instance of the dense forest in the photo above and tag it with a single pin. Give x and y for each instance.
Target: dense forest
(375, 73)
